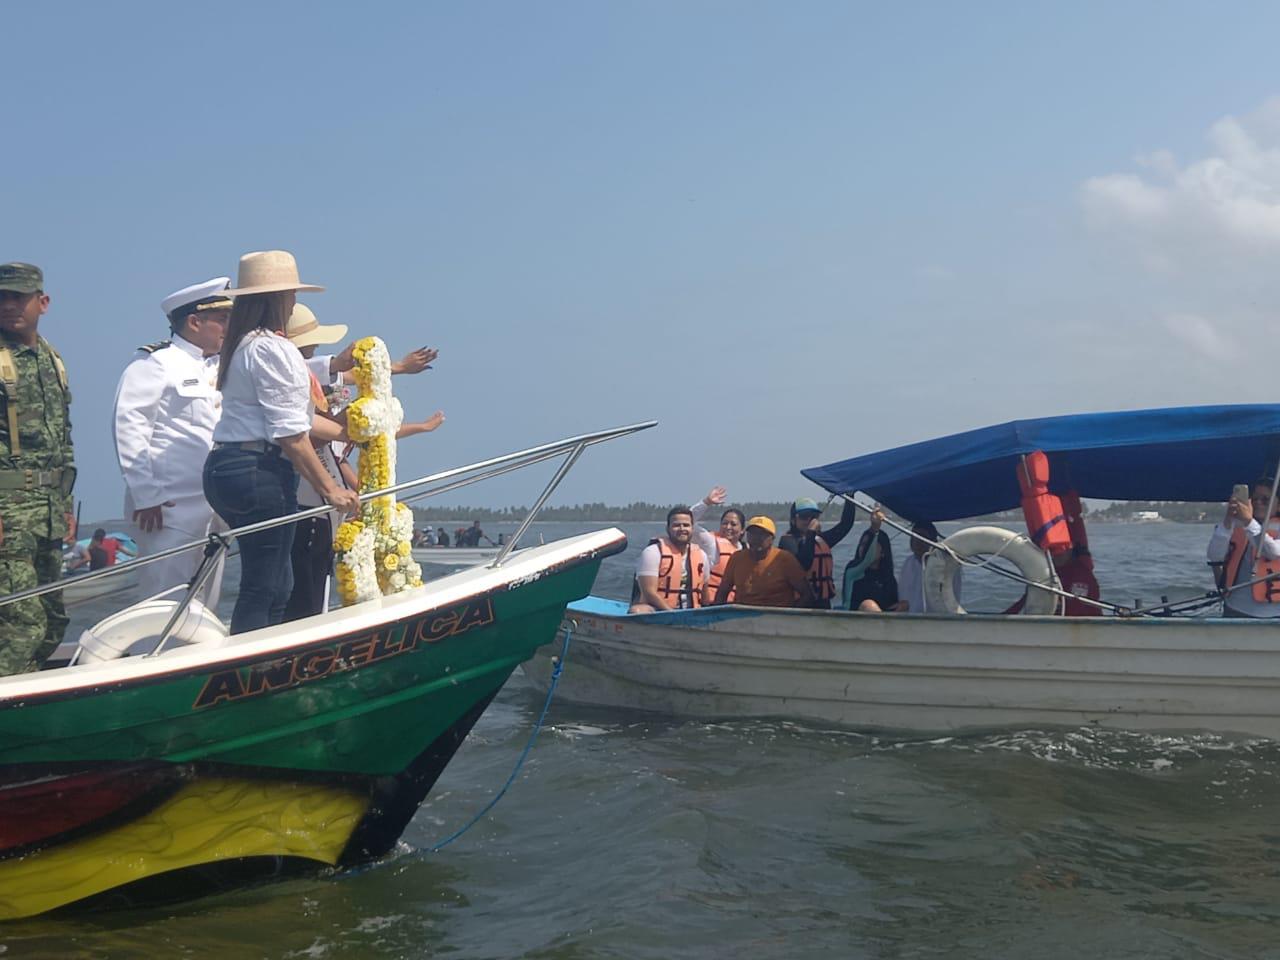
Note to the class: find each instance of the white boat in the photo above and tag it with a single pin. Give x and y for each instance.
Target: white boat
(454, 556)
(76, 591)
(925, 673)
(964, 672)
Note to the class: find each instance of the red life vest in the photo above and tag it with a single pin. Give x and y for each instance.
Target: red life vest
(727, 549)
(820, 571)
(1268, 591)
(672, 568)
(1046, 519)
(1074, 512)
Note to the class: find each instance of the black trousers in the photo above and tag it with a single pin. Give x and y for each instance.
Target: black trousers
(312, 559)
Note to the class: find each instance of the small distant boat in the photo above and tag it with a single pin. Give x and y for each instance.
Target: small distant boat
(454, 556)
(75, 592)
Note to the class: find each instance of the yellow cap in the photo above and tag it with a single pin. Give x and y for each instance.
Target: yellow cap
(764, 523)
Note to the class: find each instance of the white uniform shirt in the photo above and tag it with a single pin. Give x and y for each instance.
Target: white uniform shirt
(266, 394)
(166, 408)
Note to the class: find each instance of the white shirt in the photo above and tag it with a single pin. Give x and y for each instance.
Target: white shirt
(166, 408)
(911, 584)
(266, 394)
(705, 539)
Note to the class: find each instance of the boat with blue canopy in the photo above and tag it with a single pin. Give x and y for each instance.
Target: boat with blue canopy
(950, 671)
(1179, 453)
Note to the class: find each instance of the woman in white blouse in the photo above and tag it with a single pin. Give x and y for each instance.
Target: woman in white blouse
(261, 444)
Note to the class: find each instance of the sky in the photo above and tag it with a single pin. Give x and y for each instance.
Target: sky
(791, 233)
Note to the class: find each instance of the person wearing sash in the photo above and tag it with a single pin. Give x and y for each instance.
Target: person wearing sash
(262, 443)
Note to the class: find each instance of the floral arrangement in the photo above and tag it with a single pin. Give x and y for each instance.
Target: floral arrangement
(373, 550)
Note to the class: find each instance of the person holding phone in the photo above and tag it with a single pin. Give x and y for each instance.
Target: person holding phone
(1233, 546)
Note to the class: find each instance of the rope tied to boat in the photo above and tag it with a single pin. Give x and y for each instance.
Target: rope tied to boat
(556, 670)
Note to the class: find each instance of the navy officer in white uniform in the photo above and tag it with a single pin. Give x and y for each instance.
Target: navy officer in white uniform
(166, 407)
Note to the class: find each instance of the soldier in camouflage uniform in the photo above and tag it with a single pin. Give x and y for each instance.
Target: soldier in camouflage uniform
(37, 471)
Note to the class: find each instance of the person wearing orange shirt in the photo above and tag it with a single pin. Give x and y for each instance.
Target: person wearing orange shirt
(763, 575)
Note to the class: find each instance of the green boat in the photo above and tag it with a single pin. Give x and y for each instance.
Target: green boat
(304, 744)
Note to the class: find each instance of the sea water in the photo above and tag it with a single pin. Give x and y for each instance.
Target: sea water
(629, 835)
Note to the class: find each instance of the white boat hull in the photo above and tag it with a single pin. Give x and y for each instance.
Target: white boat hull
(78, 591)
(455, 556)
(926, 673)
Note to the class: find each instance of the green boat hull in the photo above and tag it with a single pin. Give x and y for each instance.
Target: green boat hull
(318, 753)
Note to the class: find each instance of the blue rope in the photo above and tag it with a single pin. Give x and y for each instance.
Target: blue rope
(546, 705)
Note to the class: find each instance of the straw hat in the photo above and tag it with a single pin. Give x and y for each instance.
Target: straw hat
(268, 271)
(304, 330)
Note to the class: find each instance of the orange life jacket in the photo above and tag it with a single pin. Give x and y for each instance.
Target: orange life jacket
(1046, 519)
(1268, 591)
(820, 571)
(672, 568)
(727, 549)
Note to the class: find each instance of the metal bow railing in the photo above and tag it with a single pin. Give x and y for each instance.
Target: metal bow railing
(571, 448)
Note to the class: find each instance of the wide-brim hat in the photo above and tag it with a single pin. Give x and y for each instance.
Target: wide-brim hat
(268, 271)
(304, 330)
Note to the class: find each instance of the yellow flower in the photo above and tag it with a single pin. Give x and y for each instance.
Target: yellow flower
(391, 561)
(402, 548)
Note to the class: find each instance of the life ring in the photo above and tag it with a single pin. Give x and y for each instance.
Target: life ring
(940, 567)
(113, 637)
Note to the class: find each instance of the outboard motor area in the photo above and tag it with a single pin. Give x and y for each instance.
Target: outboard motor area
(993, 543)
(137, 629)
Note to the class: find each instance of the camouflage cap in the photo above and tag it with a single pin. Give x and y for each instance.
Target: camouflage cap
(21, 277)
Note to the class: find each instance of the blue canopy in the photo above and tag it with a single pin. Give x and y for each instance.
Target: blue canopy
(1179, 453)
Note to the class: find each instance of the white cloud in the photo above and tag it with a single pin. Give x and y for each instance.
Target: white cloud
(1230, 196)
(1201, 335)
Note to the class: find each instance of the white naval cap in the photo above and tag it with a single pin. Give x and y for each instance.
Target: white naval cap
(196, 293)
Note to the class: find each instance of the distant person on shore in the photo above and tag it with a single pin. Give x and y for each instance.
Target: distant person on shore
(812, 546)
(442, 537)
(1233, 545)
(763, 575)
(99, 552)
(671, 573)
(868, 583)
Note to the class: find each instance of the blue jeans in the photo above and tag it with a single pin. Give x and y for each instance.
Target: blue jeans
(244, 486)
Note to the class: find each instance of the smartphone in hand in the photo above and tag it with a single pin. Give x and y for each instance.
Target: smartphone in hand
(1240, 493)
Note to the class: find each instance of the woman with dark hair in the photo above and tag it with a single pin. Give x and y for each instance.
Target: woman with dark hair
(261, 443)
(869, 583)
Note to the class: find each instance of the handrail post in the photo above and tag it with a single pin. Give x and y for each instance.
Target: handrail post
(565, 467)
(208, 563)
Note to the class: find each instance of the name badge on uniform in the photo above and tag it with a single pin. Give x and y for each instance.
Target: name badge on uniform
(190, 383)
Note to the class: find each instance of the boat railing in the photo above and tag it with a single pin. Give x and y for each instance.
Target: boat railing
(571, 448)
